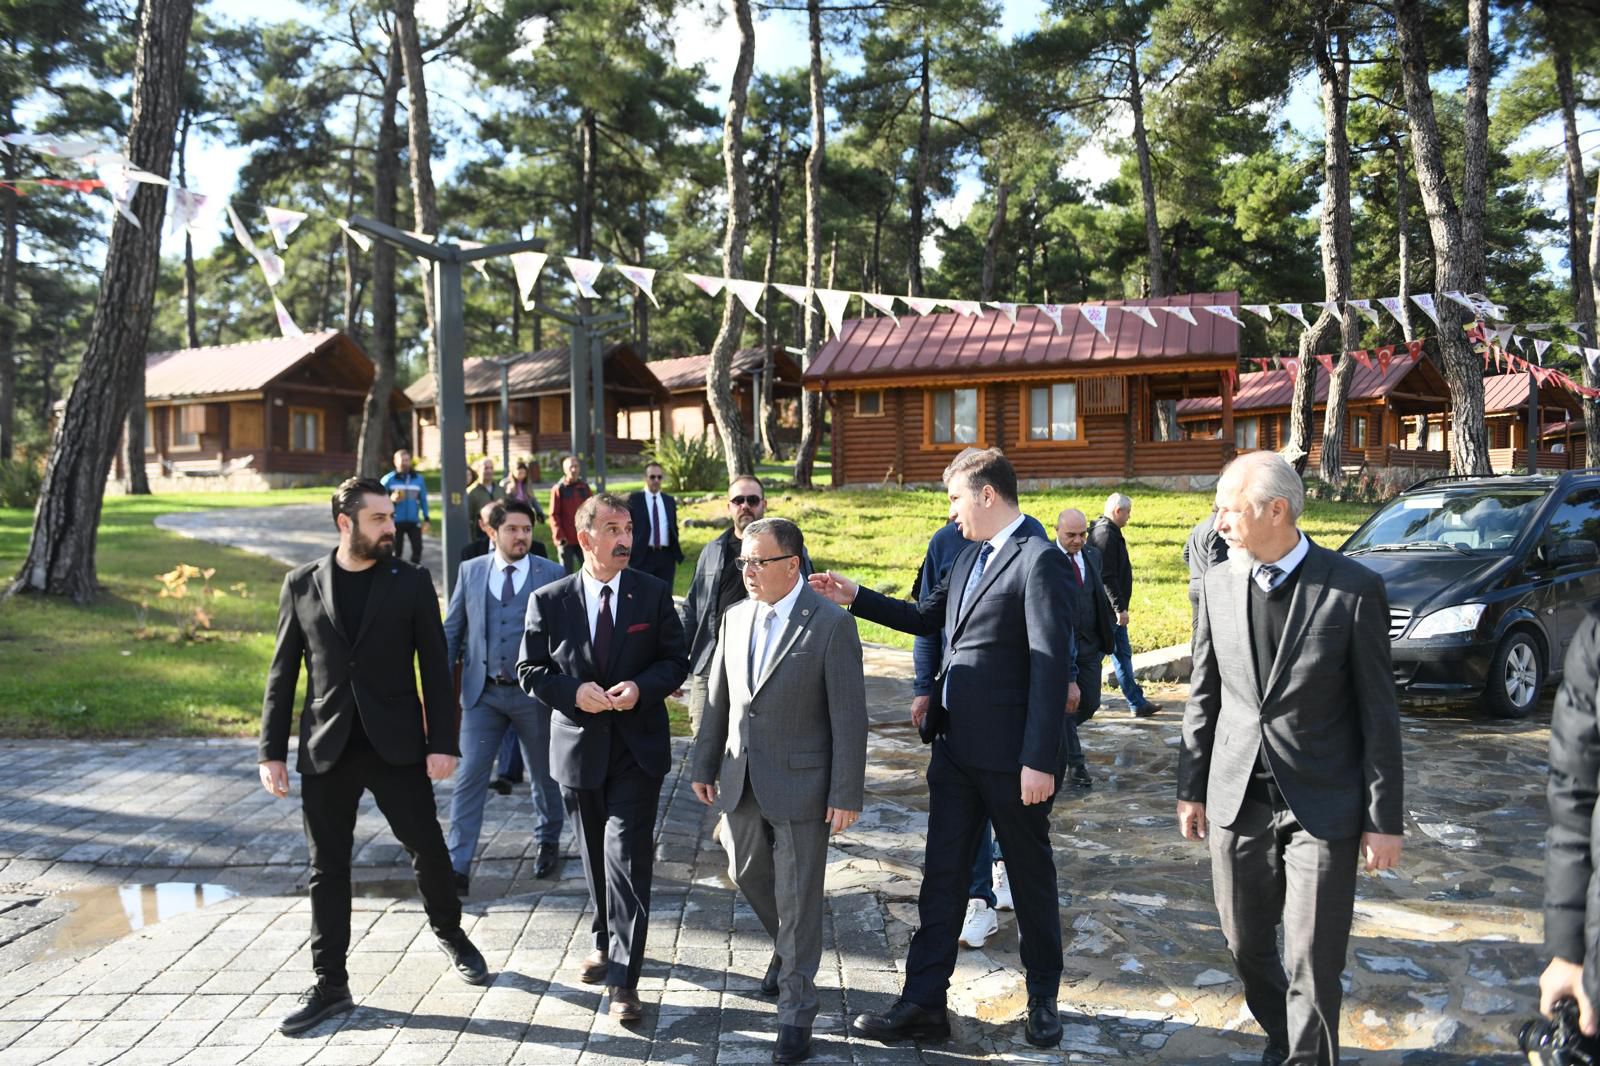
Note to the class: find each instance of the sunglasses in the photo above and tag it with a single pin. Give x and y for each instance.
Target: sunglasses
(652, 477)
(741, 501)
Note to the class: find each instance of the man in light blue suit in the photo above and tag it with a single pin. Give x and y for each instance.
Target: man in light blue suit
(483, 633)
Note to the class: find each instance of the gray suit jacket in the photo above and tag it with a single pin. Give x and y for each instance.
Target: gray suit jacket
(464, 633)
(802, 724)
(1328, 718)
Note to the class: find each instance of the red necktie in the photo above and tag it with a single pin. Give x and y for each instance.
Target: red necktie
(1077, 575)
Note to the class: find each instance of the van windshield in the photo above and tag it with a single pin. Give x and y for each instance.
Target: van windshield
(1461, 520)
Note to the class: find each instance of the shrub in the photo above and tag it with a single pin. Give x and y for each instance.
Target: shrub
(20, 481)
(691, 464)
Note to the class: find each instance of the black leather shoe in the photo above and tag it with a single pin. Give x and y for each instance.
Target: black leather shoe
(1274, 1056)
(500, 785)
(794, 1044)
(467, 959)
(1078, 775)
(462, 881)
(904, 1021)
(319, 1003)
(1044, 1022)
(546, 859)
(769, 982)
(1145, 710)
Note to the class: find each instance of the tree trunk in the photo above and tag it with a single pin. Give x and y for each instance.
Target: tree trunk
(8, 297)
(997, 228)
(1147, 184)
(1453, 256)
(810, 400)
(766, 416)
(352, 291)
(61, 551)
(1591, 417)
(191, 285)
(1333, 71)
(1403, 234)
(736, 450)
(1578, 228)
(424, 197)
(385, 349)
(919, 184)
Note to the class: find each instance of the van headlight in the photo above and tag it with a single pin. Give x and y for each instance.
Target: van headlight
(1462, 618)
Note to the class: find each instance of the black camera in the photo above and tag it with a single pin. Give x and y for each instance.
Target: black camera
(1559, 1041)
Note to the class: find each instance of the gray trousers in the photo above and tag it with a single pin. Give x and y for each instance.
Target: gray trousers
(1267, 871)
(780, 867)
(699, 692)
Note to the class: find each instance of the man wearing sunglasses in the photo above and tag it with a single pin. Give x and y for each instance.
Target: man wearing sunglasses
(655, 528)
(718, 584)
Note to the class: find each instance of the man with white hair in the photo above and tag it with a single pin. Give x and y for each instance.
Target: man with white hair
(1117, 573)
(1291, 754)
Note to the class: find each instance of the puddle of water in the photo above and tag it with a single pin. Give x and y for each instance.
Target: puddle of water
(111, 912)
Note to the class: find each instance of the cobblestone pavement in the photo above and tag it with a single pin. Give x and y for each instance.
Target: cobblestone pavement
(1443, 959)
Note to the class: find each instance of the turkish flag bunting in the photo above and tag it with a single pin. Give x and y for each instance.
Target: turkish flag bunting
(1414, 350)
(1327, 362)
(1362, 358)
(1385, 354)
(1292, 365)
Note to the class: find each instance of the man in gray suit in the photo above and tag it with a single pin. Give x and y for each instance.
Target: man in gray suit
(785, 729)
(483, 633)
(1291, 753)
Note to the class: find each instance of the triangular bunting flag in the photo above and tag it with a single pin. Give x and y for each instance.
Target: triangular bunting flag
(1393, 305)
(1224, 311)
(526, 266)
(1095, 314)
(1296, 312)
(1264, 310)
(705, 283)
(1425, 301)
(749, 294)
(834, 302)
(1009, 310)
(644, 278)
(584, 271)
(1230, 381)
(1363, 358)
(1414, 350)
(966, 308)
(1053, 313)
(1332, 308)
(1365, 307)
(882, 303)
(115, 180)
(1579, 329)
(798, 293)
(480, 265)
(1327, 362)
(1183, 313)
(282, 222)
(1385, 356)
(1292, 365)
(921, 304)
(271, 266)
(285, 323)
(1143, 312)
(1539, 347)
(361, 240)
(186, 207)
(241, 234)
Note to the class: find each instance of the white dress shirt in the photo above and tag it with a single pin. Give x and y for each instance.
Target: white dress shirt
(591, 597)
(1076, 559)
(497, 574)
(780, 611)
(1286, 566)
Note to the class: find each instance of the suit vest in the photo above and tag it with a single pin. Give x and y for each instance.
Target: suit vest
(503, 624)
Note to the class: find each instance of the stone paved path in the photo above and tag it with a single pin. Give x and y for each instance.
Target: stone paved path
(1443, 962)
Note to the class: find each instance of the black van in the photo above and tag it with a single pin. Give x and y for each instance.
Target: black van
(1488, 578)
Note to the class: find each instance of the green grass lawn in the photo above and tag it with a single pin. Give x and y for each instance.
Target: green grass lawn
(86, 671)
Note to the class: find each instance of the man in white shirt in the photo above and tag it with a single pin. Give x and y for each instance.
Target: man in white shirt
(655, 528)
(483, 633)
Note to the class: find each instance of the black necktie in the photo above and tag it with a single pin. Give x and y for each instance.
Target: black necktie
(508, 591)
(656, 540)
(602, 631)
(1271, 573)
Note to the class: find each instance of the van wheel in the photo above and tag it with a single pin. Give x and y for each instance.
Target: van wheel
(1516, 677)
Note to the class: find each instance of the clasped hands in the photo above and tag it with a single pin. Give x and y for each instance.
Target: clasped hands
(592, 699)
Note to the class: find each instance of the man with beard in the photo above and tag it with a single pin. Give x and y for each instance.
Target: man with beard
(603, 648)
(1291, 757)
(364, 622)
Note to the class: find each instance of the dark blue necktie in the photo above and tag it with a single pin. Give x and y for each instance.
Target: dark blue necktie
(976, 575)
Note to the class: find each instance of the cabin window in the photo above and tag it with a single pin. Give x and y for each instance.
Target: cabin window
(305, 430)
(1053, 411)
(188, 422)
(955, 416)
(150, 430)
(869, 403)
(1358, 431)
(1246, 433)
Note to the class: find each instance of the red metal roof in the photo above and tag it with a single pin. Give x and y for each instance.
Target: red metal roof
(1507, 392)
(546, 371)
(992, 346)
(248, 366)
(1275, 388)
(689, 371)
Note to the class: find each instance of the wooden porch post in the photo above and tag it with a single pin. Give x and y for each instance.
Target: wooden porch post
(1227, 408)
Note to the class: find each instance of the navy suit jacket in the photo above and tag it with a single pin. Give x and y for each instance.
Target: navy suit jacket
(1008, 654)
(557, 657)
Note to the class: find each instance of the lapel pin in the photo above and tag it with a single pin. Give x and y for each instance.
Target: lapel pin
(805, 612)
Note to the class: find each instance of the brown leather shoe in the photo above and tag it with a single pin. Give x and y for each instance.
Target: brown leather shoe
(625, 1005)
(592, 970)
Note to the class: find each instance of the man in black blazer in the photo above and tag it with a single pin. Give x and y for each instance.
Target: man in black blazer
(655, 528)
(364, 622)
(603, 648)
(1105, 537)
(1092, 627)
(1291, 756)
(995, 719)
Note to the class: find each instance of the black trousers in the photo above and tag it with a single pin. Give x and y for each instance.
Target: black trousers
(616, 826)
(328, 803)
(1091, 660)
(572, 558)
(960, 799)
(404, 531)
(657, 562)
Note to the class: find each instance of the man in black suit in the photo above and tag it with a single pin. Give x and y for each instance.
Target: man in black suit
(1291, 758)
(1092, 628)
(655, 525)
(1105, 536)
(603, 648)
(364, 622)
(995, 718)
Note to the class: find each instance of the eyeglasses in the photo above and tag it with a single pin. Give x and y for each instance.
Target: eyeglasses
(652, 477)
(740, 501)
(759, 565)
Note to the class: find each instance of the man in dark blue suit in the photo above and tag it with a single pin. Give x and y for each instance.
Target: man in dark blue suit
(603, 648)
(995, 719)
(1093, 629)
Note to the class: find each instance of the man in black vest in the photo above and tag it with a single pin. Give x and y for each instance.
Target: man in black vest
(363, 622)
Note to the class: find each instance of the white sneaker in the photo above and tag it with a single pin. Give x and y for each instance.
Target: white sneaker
(1002, 888)
(980, 925)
